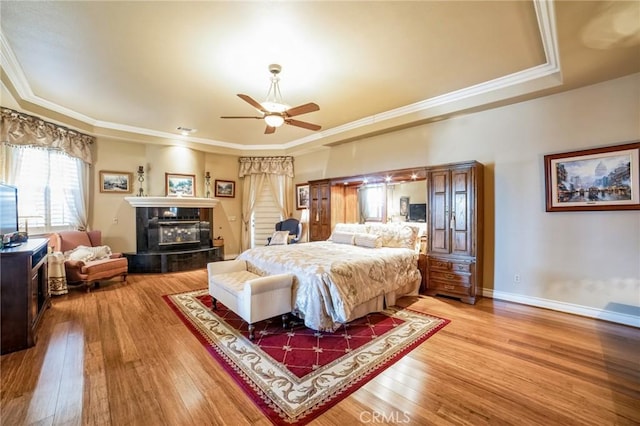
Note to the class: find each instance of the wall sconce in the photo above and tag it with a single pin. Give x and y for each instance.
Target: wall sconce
(140, 179)
(207, 183)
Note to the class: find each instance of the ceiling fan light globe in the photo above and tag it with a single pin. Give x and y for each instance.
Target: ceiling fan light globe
(274, 120)
(274, 106)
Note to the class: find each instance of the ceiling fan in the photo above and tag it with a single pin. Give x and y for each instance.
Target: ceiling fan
(275, 112)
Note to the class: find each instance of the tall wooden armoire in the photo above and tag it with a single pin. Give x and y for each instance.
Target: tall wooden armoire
(455, 230)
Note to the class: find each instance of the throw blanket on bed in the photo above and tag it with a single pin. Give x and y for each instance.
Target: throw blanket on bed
(330, 279)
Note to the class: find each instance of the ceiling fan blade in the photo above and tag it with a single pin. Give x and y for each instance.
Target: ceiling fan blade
(303, 124)
(302, 109)
(268, 130)
(248, 99)
(244, 116)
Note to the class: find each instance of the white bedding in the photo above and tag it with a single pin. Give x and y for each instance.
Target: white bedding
(331, 279)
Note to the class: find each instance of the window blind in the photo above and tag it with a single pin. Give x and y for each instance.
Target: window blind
(265, 216)
(47, 181)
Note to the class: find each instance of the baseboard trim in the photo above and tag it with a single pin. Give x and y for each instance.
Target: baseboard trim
(569, 308)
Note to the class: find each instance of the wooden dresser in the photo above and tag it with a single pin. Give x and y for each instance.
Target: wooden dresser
(455, 224)
(24, 293)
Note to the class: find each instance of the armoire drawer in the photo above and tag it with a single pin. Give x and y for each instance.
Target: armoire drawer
(448, 287)
(450, 277)
(449, 265)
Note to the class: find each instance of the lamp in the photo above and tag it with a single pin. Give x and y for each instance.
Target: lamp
(274, 120)
(273, 103)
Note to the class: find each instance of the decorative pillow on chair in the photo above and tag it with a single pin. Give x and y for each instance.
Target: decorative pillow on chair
(79, 253)
(99, 252)
(279, 238)
(86, 253)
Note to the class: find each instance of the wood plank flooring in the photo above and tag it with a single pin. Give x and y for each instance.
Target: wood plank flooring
(120, 356)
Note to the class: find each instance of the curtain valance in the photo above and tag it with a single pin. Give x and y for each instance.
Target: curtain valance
(266, 165)
(21, 129)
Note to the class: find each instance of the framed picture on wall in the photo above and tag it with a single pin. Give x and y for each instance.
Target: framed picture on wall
(116, 182)
(594, 179)
(225, 188)
(180, 185)
(302, 196)
(404, 206)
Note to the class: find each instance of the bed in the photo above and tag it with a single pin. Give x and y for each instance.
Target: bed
(360, 269)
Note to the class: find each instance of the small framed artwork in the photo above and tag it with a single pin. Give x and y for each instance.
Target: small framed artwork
(179, 185)
(225, 188)
(302, 196)
(594, 179)
(404, 206)
(116, 182)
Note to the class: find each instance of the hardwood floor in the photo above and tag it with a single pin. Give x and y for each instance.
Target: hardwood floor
(119, 355)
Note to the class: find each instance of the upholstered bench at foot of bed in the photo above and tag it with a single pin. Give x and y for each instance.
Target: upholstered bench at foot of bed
(250, 296)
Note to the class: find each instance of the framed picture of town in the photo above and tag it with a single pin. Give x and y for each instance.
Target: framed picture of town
(116, 182)
(180, 185)
(225, 188)
(605, 178)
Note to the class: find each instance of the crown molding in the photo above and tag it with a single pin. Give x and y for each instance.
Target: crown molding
(502, 88)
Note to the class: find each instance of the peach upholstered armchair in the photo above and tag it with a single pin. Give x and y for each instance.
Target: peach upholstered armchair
(86, 260)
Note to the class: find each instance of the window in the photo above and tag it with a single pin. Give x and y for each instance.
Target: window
(49, 183)
(265, 216)
(373, 199)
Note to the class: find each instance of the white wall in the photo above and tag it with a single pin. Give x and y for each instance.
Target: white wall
(582, 262)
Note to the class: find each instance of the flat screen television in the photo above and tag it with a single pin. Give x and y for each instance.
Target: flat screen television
(418, 212)
(8, 209)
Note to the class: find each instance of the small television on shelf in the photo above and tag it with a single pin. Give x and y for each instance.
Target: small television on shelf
(8, 209)
(418, 212)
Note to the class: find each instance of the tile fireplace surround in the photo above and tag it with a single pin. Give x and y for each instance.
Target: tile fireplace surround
(173, 234)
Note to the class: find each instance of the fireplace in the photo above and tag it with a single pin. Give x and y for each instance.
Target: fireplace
(173, 234)
(172, 228)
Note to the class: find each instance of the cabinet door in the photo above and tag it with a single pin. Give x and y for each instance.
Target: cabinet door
(325, 211)
(439, 211)
(320, 211)
(461, 211)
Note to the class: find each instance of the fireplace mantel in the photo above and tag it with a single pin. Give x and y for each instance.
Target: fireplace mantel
(172, 202)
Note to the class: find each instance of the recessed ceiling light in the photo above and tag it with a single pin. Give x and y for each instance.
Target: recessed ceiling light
(185, 131)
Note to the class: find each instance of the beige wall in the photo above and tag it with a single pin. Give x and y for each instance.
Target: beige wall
(115, 216)
(582, 262)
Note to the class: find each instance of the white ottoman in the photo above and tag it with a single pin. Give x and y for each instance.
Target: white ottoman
(250, 296)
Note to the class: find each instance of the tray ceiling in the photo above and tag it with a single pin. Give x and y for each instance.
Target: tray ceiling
(139, 70)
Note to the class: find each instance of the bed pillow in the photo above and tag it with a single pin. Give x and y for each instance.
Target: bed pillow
(279, 238)
(342, 237)
(367, 240)
(351, 227)
(397, 235)
(407, 236)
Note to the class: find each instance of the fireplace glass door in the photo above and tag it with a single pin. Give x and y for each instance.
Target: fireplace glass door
(179, 233)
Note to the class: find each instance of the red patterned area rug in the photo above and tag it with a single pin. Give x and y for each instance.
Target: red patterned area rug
(296, 374)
